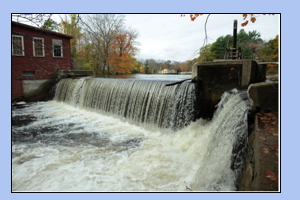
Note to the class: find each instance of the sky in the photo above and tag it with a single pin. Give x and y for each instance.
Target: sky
(176, 38)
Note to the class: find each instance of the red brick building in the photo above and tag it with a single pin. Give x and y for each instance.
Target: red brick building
(37, 55)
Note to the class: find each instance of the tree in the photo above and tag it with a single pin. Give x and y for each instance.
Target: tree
(218, 48)
(154, 65)
(166, 64)
(85, 57)
(206, 54)
(123, 49)
(70, 27)
(50, 25)
(137, 67)
(147, 71)
(248, 42)
(34, 19)
(181, 66)
(269, 52)
(101, 30)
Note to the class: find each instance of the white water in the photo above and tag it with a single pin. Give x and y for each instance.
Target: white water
(79, 150)
(139, 101)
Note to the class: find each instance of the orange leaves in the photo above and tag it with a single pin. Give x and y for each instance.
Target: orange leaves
(192, 16)
(262, 138)
(122, 51)
(246, 18)
(271, 175)
(265, 150)
(252, 19)
(244, 23)
(270, 121)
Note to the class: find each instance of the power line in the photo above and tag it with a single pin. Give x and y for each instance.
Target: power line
(205, 39)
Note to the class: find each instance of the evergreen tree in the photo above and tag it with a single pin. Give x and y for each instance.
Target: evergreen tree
(50, 25)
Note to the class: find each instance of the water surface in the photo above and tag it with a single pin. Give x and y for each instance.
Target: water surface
(57, 146)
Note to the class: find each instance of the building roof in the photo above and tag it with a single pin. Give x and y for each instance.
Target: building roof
(13, 23)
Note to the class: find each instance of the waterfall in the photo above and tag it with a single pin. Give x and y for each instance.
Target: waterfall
(97, 135)
(227, 144)
(139, 101)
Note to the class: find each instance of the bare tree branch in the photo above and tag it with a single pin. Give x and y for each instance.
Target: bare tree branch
(31, 19)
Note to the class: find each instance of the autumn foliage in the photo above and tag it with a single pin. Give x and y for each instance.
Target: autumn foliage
(121, 56)
(270, 51)
(192, 16)
(246, 18)
(268, 140)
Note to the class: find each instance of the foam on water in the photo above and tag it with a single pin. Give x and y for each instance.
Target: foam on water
(142, 102)
(79, 150)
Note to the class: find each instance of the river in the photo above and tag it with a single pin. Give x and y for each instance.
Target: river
(57, 146)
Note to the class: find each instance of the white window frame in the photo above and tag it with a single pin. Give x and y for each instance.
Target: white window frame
(22, 40)
(56, 42)
(43, 50)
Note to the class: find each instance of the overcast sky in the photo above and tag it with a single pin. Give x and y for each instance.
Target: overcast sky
(176, 38)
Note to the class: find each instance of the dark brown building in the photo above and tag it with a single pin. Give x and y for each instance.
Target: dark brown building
(37, 55)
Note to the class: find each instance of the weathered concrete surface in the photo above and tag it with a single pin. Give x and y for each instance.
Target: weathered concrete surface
(36, 90)
(263, 97)
(215, 77)
(74, 73)
(261, 171)
(246, 71)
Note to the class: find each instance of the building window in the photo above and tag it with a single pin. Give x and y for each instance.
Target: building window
(17, 45)
(28, 73)
(57, 48)
(38, 47)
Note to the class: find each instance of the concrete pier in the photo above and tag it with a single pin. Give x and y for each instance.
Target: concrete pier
(263, 97)
(38, 89)
(215, 77)
(74, 73)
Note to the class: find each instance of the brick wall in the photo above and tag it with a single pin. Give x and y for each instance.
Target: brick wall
(17, 88)
(42, 67)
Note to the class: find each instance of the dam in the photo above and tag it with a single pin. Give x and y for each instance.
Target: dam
(102, 134)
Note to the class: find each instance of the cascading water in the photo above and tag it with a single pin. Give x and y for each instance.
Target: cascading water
(139, 101)
(127, 135)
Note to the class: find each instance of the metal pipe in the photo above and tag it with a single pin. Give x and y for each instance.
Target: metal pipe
(234, 33)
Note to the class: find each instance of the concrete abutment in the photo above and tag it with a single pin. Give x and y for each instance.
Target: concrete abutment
(38, 89)
(216, 77)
